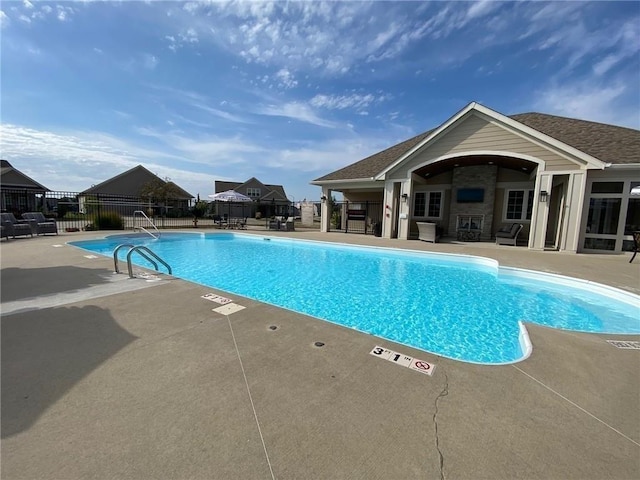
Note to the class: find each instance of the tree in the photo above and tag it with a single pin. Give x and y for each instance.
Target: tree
(159, 192)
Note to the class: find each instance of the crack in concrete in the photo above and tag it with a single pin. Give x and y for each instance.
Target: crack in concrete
(443, 393)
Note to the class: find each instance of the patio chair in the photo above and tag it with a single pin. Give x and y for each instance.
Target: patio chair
(14, 227)
(509, 235)
(428, 232)
(287, 225)
(241, 224)
(274, 224)
(40, 224)
(636, 244)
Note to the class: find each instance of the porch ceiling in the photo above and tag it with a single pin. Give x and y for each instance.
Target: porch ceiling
(437, 168)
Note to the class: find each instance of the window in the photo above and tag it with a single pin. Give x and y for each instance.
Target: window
(607, 187)
(519, 205)
(632, 222)
(604, 214)
(435, 199)
(614, 213)
(253, 192)
(427, 204)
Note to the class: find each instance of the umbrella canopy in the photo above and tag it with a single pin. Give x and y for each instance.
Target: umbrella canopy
(230, 196)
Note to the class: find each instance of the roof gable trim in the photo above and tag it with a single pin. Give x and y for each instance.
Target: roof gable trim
(511, 125)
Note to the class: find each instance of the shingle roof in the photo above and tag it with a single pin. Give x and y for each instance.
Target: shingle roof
(130, 183)
(608, 143)
(223, 186)
(11, 177)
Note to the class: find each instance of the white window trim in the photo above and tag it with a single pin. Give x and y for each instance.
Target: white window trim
(426, 206)
(525, 204)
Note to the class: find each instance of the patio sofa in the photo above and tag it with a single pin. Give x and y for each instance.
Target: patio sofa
(12, 226)
(40, 224)
(509, 235)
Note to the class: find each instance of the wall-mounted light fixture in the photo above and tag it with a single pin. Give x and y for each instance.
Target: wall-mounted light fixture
(405, 197)
(543, 195)
(323, 198)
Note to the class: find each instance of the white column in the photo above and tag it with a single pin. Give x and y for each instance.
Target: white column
(387, 209)
(325, 214)
(405, 210)
(573, 211)
(540, 213)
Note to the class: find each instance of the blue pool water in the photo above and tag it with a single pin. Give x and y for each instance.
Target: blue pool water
(461, 307)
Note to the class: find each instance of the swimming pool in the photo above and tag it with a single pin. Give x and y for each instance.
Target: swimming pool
(461, 307)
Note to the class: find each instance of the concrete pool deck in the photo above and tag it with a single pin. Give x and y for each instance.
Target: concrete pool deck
(109, 377)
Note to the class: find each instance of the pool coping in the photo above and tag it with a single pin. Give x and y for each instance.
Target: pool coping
(524, 341)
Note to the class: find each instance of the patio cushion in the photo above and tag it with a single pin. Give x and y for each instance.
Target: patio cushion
(40, 224)
(14, 227)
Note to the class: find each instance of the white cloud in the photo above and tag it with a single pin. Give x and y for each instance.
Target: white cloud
(296, 111)
(187, 37)
(63, 12)
(24, 19)
(27, 4)
(356, 101)
(150, 61)
(589, 101)
(4, 19)
(286, 78)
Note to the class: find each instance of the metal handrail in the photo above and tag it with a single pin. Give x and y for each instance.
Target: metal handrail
(140, 249)
(130, 245)
(148, 220)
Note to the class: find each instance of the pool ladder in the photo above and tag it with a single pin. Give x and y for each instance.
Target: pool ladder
(140, 213)
(144, 252)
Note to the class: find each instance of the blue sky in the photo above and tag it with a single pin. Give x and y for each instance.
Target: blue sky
(289, 91)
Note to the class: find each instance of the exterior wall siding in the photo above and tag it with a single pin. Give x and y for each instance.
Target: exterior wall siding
(477, 134)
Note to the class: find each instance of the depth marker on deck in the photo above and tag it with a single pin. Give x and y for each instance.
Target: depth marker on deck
(212, 297)
(403, 360)
(625, 344)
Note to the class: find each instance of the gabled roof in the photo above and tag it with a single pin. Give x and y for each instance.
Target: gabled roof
(272, 191)
(11, 177)
(607, 143)
(130, 183)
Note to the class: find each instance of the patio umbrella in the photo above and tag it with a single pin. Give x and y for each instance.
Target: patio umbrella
(230, 196)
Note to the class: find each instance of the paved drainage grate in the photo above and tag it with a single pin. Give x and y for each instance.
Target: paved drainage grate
(273, 327)
(318, 344)
(626, 344)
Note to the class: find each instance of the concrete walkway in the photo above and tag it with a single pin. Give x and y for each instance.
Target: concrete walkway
(109, 377)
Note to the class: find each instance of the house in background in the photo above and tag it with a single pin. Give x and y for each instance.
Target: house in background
(137, 189)
(20, 193)
(269, 200)
(573, 184)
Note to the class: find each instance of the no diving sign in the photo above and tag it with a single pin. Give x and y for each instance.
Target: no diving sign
(404, 360)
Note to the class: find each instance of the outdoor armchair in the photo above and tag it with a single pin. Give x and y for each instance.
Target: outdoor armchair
(40, 224)
(428, 232)
(14, 227)
(509, 235)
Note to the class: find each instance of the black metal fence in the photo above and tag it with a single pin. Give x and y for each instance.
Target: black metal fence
(75, 211)
(357, 217)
